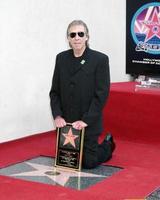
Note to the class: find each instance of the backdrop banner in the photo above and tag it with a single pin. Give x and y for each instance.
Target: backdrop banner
(143, 37)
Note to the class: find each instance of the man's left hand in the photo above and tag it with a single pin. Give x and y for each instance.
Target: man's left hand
(79, 125)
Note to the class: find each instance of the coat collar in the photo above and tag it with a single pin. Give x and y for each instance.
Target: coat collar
(80, 62)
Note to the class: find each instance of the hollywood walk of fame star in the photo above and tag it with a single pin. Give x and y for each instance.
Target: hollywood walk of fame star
(70, 138)
(61, 176)
(153, 27)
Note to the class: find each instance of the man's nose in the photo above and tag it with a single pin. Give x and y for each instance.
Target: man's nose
(77, 36)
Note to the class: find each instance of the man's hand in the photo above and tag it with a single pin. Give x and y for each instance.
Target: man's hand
(60, 122)
(79, 125)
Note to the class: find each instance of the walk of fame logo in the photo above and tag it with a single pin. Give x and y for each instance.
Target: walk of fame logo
(145, 28)
(70, 138)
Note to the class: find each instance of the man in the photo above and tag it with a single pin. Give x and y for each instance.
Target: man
(79, 91)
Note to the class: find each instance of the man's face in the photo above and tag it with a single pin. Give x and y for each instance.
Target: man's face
(77, 37)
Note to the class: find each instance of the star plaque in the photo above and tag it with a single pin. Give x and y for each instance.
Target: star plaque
(69, 148)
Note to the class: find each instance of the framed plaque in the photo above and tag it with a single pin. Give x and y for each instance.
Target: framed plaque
(69, 148)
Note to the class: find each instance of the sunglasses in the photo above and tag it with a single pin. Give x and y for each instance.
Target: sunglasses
(73, 34)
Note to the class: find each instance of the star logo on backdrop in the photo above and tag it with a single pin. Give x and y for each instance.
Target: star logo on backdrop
(61, 177)
(70, 138)
(153, 26)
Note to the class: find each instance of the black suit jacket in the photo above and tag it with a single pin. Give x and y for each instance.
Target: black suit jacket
(80, 87)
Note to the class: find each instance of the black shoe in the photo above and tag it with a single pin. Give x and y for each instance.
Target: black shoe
(109, 139)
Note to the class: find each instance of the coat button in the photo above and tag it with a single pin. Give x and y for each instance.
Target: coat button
(71, 97)
(72, 85)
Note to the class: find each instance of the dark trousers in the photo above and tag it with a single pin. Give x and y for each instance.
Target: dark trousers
(93, 153)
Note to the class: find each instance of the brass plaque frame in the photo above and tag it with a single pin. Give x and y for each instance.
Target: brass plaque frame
(69, 148)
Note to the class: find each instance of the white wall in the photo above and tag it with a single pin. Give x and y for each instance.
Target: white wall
(32, 32)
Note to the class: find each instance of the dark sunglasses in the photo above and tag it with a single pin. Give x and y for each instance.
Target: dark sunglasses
(73, 34)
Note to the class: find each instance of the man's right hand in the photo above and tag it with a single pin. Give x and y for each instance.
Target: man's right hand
(60, 122)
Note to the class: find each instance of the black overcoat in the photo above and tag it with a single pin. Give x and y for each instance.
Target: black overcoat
(80, 87)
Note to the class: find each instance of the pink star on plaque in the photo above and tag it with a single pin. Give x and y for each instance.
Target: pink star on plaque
(153, 26)
(70, 138)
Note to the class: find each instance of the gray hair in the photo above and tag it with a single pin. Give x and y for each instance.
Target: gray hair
(79, 22)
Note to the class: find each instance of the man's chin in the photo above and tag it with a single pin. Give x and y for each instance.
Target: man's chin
(78, 47)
